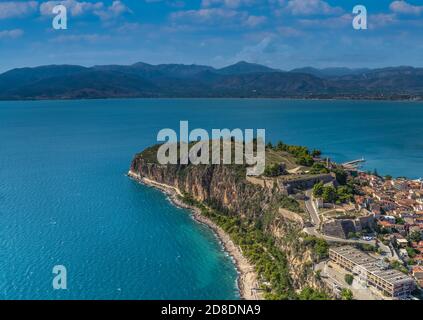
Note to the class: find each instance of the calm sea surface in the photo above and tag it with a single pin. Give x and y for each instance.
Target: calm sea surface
(65, 199)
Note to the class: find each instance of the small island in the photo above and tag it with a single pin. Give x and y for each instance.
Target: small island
(285, 228)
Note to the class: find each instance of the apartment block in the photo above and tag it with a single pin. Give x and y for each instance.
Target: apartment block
(373, 272)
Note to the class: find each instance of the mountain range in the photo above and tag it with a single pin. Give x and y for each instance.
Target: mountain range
(241, 80)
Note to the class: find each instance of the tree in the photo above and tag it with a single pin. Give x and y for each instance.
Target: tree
(346, 294)
(352, 235)
(349, 278)
(411, 252)
(290, 204)
(318, 189)
(399, 220)
(280, 146)
(341, 176)
(415, 236)
(311, 294)
(305, 160)
(316, 153)
(321, 248)
(318, 167)
(344, 194)
(272, 170)
(329, 194)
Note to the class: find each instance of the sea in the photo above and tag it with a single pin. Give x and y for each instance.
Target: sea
(65, 199)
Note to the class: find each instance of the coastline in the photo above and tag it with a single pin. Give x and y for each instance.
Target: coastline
(247, 277)
(367, 99)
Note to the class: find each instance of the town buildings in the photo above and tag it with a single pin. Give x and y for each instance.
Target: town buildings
(372, 272)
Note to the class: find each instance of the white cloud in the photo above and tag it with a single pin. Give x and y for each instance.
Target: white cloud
(79, 8)
(403, 7)
(217, 17)
(204, 16)
(92, 38)
(227, 3)
(265, 51)
(13, 9)
(328, 23)
(11, 34)
(311, 7)
(117, 9)
(254, 21)
(382, 20)
(289, 32)
(76, 8)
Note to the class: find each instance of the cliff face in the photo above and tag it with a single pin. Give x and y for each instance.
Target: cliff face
(222, 186)
(226, 189)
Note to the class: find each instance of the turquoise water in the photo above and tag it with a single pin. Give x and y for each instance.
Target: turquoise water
(65, 199)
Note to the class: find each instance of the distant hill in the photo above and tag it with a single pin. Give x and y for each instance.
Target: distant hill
(243, 67)
(242, 79)
(330, 72)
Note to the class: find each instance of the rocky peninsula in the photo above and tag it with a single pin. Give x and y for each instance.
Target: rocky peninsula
(254, 223)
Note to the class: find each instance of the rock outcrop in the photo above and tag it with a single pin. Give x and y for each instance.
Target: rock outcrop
(225, 188)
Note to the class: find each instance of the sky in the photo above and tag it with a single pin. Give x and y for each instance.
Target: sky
(283, 34)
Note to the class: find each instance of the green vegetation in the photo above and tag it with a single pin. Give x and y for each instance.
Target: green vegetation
(273, 170)
(305, 160)
(316, 153)
(262, 251)
(366, 247)
(352, 235)
(318, 168)
(399, 220)
(318, 190)
(341, 176)
(411, 262)
(311, 294)
(349, 278)
(346, 294)
(415, 236)
(412, 252)
(259, 248)
(302, 154)
(399, 266)
(330, 194)
(290, 204)
(320, 246)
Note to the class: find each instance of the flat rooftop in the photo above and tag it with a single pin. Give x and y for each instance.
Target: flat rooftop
(372, 265)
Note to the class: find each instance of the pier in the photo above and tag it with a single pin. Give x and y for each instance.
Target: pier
(353, 165)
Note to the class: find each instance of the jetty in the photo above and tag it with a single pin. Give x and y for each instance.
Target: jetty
(354, 164)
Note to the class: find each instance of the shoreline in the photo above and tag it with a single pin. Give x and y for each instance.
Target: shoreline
(368, 99)
(247, 277)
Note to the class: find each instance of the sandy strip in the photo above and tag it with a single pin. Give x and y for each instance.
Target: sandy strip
(247, 279)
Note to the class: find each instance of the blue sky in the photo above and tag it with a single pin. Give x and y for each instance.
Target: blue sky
(280, 33)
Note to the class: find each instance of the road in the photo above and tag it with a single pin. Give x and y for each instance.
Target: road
(314, 230)
(312, 210)
(314, 215)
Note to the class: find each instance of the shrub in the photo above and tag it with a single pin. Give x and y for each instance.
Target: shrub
(349, 278)
(311, 294)
(272, 170)
(346, 294)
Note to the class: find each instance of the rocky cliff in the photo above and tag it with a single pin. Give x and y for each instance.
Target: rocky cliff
(226, 189)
